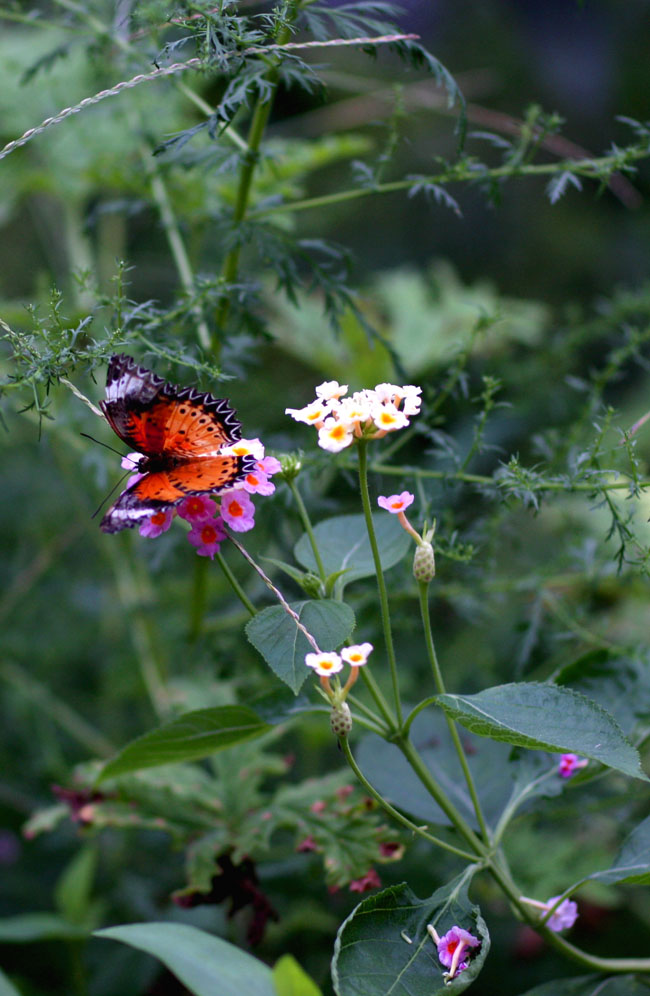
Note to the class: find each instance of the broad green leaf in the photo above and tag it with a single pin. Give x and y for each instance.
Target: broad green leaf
(545, 717)
(283, 646)
(6, 988)
(619, 683)
(632, 863)
(289, 979)
(389, 771)
(344, 546)
(188, 738)
(281, 704)
(28, 927)
(384, 948)
(205, 964)
(592, 985)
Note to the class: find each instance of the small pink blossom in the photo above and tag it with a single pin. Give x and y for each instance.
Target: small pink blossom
(334, 435)
(244, 447)
(157, 523)
(396, 503)
(569, 764)
(314, 413)
(207, 537)
(318, 807)
(370, 880)
(388, 418)
(308, 844)
(257, 483)
(453, 949)
(269, 465)
(237, 510)
(564, 916)
(197, 508)
(331, 390)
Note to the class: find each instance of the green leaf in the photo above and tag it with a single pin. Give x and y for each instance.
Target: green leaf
(281, 704)
(283, 646)
(619, 683)
(383, 947)
(545, 717)
(344, 546)
(632, 863)
(30, 927)
(205, 964)
(592, 985)
(188, 738)
(72, 894)
(6, 988)
(391, 774)
(289, 979)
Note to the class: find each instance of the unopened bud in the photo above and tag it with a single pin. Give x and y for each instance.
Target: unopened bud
(291, 464)
(424, 563)
(341, 720)
(312, 585)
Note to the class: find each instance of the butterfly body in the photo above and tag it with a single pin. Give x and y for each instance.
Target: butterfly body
(180, 433)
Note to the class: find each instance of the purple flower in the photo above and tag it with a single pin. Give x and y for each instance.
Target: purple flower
(564, 916)
(197, 508)
(238, 510)
(569, 764)
(454, 948)
(207, 537)
(157, 523)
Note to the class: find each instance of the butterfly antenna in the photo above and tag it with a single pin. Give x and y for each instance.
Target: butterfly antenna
(113, 489)
(111, 448)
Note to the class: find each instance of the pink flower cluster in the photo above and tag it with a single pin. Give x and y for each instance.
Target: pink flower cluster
(208, 516)
(368, 414)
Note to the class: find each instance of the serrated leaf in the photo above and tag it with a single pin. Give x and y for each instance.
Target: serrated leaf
(619, 683)
(546, 717)
(632, 863)
(30, 927)
(283, 646)
(383, 947)
(592, 985)
(344, 546)
(205, 964)
(188, 738)
(389, 771)
(289, 979)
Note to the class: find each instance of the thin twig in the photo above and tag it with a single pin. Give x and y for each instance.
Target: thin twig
(180, 67)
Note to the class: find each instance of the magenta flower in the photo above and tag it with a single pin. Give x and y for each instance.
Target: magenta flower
(197, 508)
(454, 949)
(370, 880)
(207, 537)
(569, 764)
(237, 510)
(564, 916)
(257, 483)
(157, 523)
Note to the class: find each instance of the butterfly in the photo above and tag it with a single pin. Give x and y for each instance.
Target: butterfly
(180, 432)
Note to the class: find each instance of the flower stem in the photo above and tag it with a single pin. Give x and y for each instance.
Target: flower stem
(423, 589)
(235, 585)
(307, 526)
(381, 585)
(395, 813)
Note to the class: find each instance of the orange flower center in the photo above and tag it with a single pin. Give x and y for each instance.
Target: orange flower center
(158, 519)
(235, 509)
(208, 534)
(252, 480)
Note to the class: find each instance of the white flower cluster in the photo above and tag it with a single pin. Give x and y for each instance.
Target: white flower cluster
(369, 413)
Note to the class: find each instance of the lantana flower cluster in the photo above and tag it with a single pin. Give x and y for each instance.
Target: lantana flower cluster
(209, 515)
(327, 664)
(367, 414)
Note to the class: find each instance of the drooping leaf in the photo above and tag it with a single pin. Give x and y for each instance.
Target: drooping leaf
(29, 927)
(344, 546)
(283, 646)
(205, 964)
(190, 737)
(545, 717)
(290, 979)
(384, 947)
(389, 771)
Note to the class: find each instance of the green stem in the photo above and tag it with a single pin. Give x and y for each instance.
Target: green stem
(235, 585)
(431, 785)
(395, 813)
(307, 526)
(198, 600)
(381, 585)
(423, 589)
(263, 107)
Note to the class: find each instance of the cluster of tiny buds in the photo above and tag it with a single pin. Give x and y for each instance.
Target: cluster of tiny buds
(367, 414)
